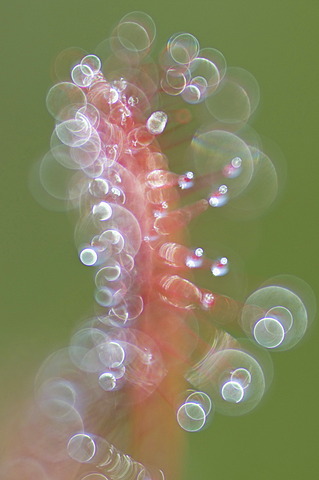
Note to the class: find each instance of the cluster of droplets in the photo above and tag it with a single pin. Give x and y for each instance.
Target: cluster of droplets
(190, 71)
(92, 449)
(105, 162)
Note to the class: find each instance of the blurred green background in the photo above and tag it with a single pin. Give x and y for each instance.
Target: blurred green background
(44, 291)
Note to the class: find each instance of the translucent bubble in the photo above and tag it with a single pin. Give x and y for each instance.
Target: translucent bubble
(57, 181)
(81, 448)
(106, 297)
(213, 151)
(66, 60)
(242, 376)
(275, 316)
(135, 33)
(62, 153)
(202, 399)
(236, 98)
(191, 417)
(262, 189)
(107, 381)
(82, 75)
(174, 82)
(99, 187)
(117, 195)
(282, 314)
(92, 62)
(83, 349)
(54, 368)
(91, 113)
(233, 379)
(204, 76)
(113, 96)
(88, 256)
(139, 362)
(269, 332)
(118, 372)
(124, 222)
(215, 65)
(74, 132)
(102, 211)
(108, 273)
(130, 309)
(127, 261)
(232, 392)
(63, 95)
(56, 397)
(86, 154)
(113, 238)
(156, 123)
(192, 94)
(96, 168)
(183, 48)
(103, 249)
(112, 354)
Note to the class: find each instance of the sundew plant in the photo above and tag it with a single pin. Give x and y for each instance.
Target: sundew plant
(143, 145)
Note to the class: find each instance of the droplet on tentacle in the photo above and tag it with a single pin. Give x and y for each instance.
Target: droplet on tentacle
(220, 267)
(82, 75)
(236, 98)
(156, 123)
(192, 414)
(218, 155)
(182, 48)
(219, 197)
(81, 447)
(195, 259)
(186, 180)
(93, 62)
(233, 378)
(88, 256)
(275, 316)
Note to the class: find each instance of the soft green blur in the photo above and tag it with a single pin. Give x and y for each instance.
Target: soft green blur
(44, 290)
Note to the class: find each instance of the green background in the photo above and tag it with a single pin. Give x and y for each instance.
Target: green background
(44, 291)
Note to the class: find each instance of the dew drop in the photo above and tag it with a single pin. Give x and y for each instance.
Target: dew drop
(220, 267)
(107, 381)
(186, 180)
(81, 447)
(156, 123)
(269, 332)
(191, 416)
(102, 211)
(88, 256)
(232, 392)
(219, 197)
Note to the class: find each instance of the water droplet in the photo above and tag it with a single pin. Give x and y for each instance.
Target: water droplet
(219, 198)
(186, 180)
(220, 267)
(156, 123)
